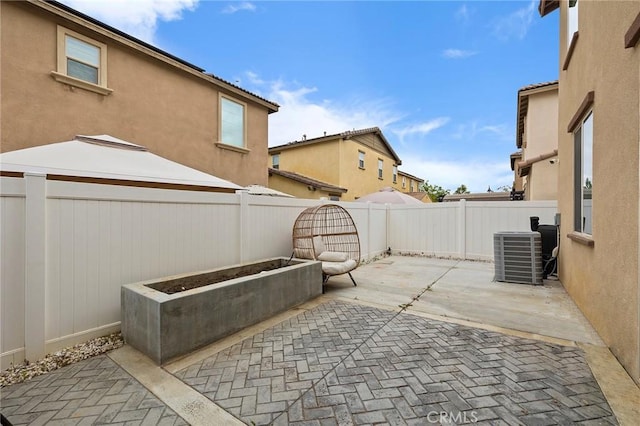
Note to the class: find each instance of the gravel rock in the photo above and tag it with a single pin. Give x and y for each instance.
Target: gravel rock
(27, 370)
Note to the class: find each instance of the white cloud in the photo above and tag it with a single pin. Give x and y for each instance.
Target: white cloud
(138, 18)
(476, 175)
(458, 53)
(462, 14)
(470, 131)
(421, 129)
(237, 7)
(516, 24)
(300, 114)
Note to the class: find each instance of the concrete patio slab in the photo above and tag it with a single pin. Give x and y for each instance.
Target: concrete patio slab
(466, 290)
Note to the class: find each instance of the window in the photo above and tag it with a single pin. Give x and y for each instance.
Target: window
(583, 184)
(275, 161)
(572, 32)
(572, 20)
(361, 159)
(411, 186)
(231, 122)
(395, 174)
(380, 163)
(82, 62)
(404, 182)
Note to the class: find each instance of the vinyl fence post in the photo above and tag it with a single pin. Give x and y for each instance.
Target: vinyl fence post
(462, 228)
(368, 229)
(243, 232)
(35, 265)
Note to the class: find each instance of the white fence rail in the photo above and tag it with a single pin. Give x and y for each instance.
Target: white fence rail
(66, 248)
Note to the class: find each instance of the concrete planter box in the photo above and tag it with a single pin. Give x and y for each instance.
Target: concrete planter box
(165, 326)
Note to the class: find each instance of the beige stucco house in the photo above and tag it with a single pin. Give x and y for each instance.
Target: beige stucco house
(536, 169)
(64, 73)
(598, 169)
(302, 186)
(344, 166)
(406, 182)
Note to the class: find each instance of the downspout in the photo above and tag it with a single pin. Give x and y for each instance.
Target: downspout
(637, 379)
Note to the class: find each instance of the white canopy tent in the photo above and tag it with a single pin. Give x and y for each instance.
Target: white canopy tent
(106, 158)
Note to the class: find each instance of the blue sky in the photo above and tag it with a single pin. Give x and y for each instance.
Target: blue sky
(440, 78)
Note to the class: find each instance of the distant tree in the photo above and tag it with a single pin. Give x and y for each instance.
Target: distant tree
(588, 184)
(436, 192)
(462, 189)
(504, 188)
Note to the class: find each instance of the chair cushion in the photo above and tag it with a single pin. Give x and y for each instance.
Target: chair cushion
(337, 268)
(318, 245)
(333, 256)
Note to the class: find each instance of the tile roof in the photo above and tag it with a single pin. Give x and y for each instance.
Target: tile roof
(146, 45)
(343, 135)
(402, 173)
(537, 85)
(307, 180)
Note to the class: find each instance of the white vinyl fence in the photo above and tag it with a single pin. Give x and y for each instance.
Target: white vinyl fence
(66, 248)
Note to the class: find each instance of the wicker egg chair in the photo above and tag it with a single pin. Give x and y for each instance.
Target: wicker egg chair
(327, 233)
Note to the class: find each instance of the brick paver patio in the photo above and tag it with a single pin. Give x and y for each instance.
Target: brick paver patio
(93, 391)
(343, 363)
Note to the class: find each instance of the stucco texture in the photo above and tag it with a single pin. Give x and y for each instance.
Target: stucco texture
(603, 279)
(166, 108)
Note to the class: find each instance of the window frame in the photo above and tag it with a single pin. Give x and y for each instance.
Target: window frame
(395, 173)
(380, 168)
(361, 158)
(580, 139)
(275, 161)
(404, 182)
(224, 144)
(61, 74)
(585, 112)
(573, 32)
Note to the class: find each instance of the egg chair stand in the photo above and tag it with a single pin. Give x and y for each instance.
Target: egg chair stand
(327, 233)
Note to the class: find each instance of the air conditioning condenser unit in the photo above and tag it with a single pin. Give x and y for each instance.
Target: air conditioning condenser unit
(518, 257)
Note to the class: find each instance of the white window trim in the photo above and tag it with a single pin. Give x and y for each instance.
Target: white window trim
(580, 176)
(220, 144)
(380, 168)
(361, 160)
(60, 75)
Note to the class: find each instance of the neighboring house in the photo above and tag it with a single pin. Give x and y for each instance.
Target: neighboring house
(537, 139)
(64, 73)
(350, 164)
(421, 196)
(302, 186)
(599, 152)
(479, 196)
(406, 182)
(515, 158)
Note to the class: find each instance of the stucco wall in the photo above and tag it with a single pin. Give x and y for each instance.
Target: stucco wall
(603, 279)
(541, 135)
(169, 111)
(296, 189)
(542, 182)
(320, 161)
(359, 181)
(541, 124)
